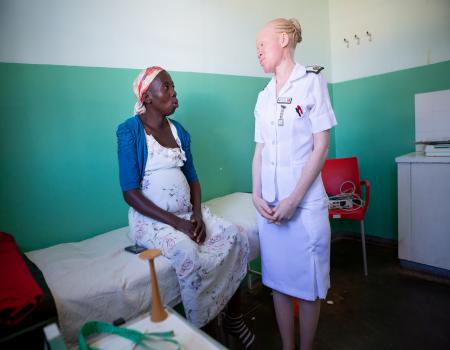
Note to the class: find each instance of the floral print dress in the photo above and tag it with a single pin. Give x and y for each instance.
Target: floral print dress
(209, 273)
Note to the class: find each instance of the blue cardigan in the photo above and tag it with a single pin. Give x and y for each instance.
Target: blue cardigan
(132, 152)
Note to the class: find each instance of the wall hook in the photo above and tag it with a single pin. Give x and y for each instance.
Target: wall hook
(369, 35)
(357, 39)
(346, 42)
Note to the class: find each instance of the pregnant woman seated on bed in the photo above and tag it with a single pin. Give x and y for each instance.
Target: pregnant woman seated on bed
(160, 184)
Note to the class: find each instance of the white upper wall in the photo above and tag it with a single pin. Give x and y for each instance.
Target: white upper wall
(405, 34)
(211, 36)
(215, 36)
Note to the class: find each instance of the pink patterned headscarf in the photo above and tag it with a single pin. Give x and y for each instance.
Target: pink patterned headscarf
(141, 84)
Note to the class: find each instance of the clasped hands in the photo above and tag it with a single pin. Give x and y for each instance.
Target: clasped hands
(275, 215)
(194, 228)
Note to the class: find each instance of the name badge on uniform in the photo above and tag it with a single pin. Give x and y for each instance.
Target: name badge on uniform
(284, 100)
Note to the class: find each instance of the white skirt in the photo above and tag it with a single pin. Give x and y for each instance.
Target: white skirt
(295, 256)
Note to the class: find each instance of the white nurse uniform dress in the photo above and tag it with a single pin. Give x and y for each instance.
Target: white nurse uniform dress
(295, 255)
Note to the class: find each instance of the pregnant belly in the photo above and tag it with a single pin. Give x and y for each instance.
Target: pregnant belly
(168, 189)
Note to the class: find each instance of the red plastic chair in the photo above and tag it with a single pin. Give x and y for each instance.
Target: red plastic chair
(340, 175)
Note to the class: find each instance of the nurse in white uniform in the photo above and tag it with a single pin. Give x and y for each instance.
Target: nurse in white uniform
(293, 118)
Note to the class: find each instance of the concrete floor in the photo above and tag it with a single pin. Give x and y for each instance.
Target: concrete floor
(390, 309)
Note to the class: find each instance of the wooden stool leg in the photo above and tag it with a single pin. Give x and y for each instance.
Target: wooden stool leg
(157, 312)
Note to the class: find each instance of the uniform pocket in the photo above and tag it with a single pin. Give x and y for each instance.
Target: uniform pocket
(301, 122)
(316, 222)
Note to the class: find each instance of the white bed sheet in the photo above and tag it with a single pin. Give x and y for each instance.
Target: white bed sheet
(96, 279)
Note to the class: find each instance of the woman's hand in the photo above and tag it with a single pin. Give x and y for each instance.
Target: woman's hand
(284, 210)
(196, 218)
(263, 208)
(187, 227)
(199, 227)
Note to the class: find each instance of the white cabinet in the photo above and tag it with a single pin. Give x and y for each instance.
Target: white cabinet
(424, 209)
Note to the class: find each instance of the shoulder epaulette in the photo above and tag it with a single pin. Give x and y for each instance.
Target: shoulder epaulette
(314, 69)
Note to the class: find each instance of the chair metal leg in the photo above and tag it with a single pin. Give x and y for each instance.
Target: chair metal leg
(363, 242)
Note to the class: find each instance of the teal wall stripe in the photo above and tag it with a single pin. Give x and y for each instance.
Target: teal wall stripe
(376, 118)
(58, 158)
(59, 178)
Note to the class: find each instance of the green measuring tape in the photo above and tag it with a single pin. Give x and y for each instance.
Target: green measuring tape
(141, 339)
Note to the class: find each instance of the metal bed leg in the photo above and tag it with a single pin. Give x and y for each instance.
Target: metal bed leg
(250, 272)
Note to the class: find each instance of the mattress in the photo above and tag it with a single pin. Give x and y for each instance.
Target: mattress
(96, 279)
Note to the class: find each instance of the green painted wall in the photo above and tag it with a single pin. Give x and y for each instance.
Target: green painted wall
(59, 175)
(58, 150)
(376, 123)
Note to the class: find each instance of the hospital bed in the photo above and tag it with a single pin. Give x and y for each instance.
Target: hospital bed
(96, 279)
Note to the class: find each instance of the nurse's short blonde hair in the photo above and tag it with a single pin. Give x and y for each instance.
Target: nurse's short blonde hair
(289, 26)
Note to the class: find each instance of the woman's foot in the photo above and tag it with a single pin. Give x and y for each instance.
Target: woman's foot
(236, 326)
